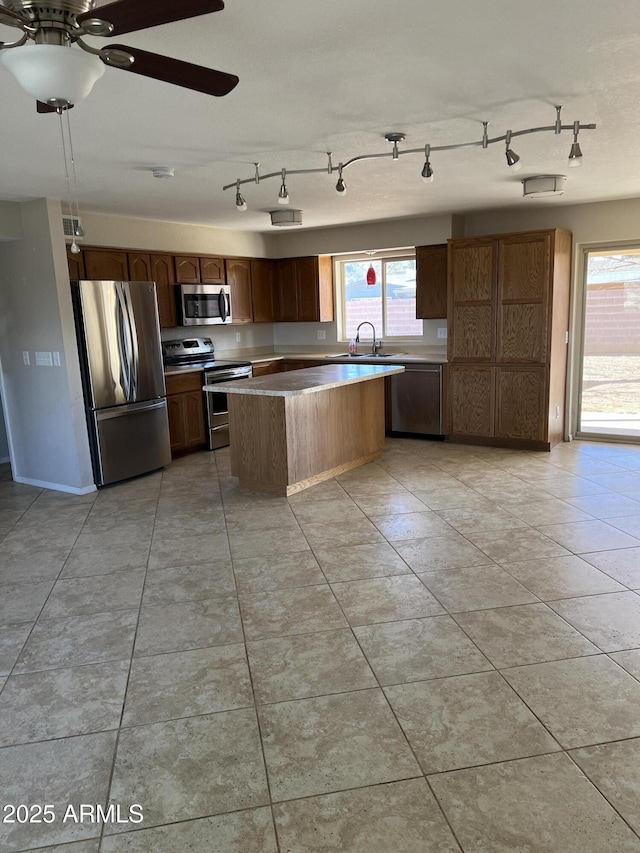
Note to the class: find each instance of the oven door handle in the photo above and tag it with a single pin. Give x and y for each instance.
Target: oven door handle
(222, 375)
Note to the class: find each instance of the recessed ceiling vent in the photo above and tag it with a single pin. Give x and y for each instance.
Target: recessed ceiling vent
(72, 227)
(543, 186)
(284, 218)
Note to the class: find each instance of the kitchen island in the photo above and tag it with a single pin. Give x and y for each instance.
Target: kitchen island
(289, 431)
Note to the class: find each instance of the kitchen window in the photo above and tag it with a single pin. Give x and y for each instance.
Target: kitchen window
(389, 303)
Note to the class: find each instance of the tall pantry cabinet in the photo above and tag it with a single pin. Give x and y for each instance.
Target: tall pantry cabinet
(508, 310)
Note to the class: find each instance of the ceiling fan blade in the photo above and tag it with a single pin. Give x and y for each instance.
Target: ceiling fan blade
(130, 15)
(12, 19)
(196, 77)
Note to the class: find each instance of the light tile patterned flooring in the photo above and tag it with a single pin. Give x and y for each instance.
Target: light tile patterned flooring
(439, 651)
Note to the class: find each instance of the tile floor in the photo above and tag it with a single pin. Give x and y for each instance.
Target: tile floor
(439, 651)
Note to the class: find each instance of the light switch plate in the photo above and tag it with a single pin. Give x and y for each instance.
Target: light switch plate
(25, 357)
(238, 337)
(322, 335)
(442, 332)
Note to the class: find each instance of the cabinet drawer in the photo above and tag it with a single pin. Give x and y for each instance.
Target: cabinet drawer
(178, 383)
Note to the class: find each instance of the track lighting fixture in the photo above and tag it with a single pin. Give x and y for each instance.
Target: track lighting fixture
(427, 171)
(241, 204)
(283, 195)
(575, 154)
(513, 160)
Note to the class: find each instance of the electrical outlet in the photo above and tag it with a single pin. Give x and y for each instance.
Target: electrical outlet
(43, 359)
(238, 337)
(442, 332)
(25, 357)
(322, 335)
(56, 359)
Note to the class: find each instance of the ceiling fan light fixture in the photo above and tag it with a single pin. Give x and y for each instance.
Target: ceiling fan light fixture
(52, 73)
(543, 186)
(286, 218)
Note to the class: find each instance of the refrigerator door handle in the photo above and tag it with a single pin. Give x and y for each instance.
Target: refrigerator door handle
(124, 411)
(123, 347)
(133, 338)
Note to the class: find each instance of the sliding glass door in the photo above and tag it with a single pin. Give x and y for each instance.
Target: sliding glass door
(610, 374)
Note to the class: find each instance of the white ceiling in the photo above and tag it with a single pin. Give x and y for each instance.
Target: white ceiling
(336, 75)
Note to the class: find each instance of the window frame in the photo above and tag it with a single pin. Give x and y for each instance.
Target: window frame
(408, 253)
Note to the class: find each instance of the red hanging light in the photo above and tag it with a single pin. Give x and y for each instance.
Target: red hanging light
(371, 275)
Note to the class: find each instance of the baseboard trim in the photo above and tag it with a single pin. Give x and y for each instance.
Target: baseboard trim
(56, 487)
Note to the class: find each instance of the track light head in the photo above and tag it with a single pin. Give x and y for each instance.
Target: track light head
(513, 161)
(241, 204)
(341, 187)
(283, 195)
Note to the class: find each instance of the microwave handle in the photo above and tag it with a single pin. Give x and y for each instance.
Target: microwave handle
(222, 305)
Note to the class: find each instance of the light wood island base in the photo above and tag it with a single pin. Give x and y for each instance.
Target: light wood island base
(285, 440)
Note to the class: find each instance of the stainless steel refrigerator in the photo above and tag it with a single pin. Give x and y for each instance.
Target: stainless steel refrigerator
(123, 377)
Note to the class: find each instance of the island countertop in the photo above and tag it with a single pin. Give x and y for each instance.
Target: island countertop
(307, 381)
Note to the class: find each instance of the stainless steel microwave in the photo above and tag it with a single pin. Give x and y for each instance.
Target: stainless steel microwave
(203, 304)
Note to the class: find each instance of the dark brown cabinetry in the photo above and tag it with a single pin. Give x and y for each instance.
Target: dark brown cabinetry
(76, 265)
(158, 268)
(187, 269)
(431, 282)
(212, 270)
(185, 407)
(305, 289)
(263, 287)
(265, 368)
(239, 280)
(106, 265)
(508, 310)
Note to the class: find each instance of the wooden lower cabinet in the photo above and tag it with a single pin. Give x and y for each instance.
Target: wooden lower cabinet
(520, 403)
(471, 400)
(265, 368)
(505, 405)
(186, 410)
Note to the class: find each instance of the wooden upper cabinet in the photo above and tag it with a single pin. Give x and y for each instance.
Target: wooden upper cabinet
(212, 270)
(187, 269)
(471, 300)
(305, 289)
(145, 266)
(431, 282)
(287, 301)
(263, 285)
(524, 281)
(106, 265)
(239, 280)
(76, 265)
(472, 270)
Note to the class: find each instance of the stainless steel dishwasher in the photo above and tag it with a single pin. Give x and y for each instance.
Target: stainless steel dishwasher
(416, 400)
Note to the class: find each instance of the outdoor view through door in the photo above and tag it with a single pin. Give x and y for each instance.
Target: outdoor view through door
(610, 382)
(389, 303)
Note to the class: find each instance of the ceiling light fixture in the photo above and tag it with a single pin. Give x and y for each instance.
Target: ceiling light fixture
(543, 186)
(163, 172)
(283, 195)
(575, 154)
(395, 138)
(427, 171)
(484, 142)
(285, 218)
(513, 161)
(241, 204)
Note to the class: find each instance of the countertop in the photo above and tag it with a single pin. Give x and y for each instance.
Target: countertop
(308, 380)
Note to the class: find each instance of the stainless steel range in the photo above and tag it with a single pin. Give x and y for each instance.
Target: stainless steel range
(199, 354)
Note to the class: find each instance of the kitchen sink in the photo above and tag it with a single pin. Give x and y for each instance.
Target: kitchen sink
(364, 355)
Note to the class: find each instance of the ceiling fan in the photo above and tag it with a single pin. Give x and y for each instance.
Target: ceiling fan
(57, 74)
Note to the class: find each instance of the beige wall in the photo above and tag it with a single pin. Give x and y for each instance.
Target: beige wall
(10, 221)
(43, 405)
(129, 233)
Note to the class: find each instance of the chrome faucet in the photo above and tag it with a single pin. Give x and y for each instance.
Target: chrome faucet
(375, 345)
